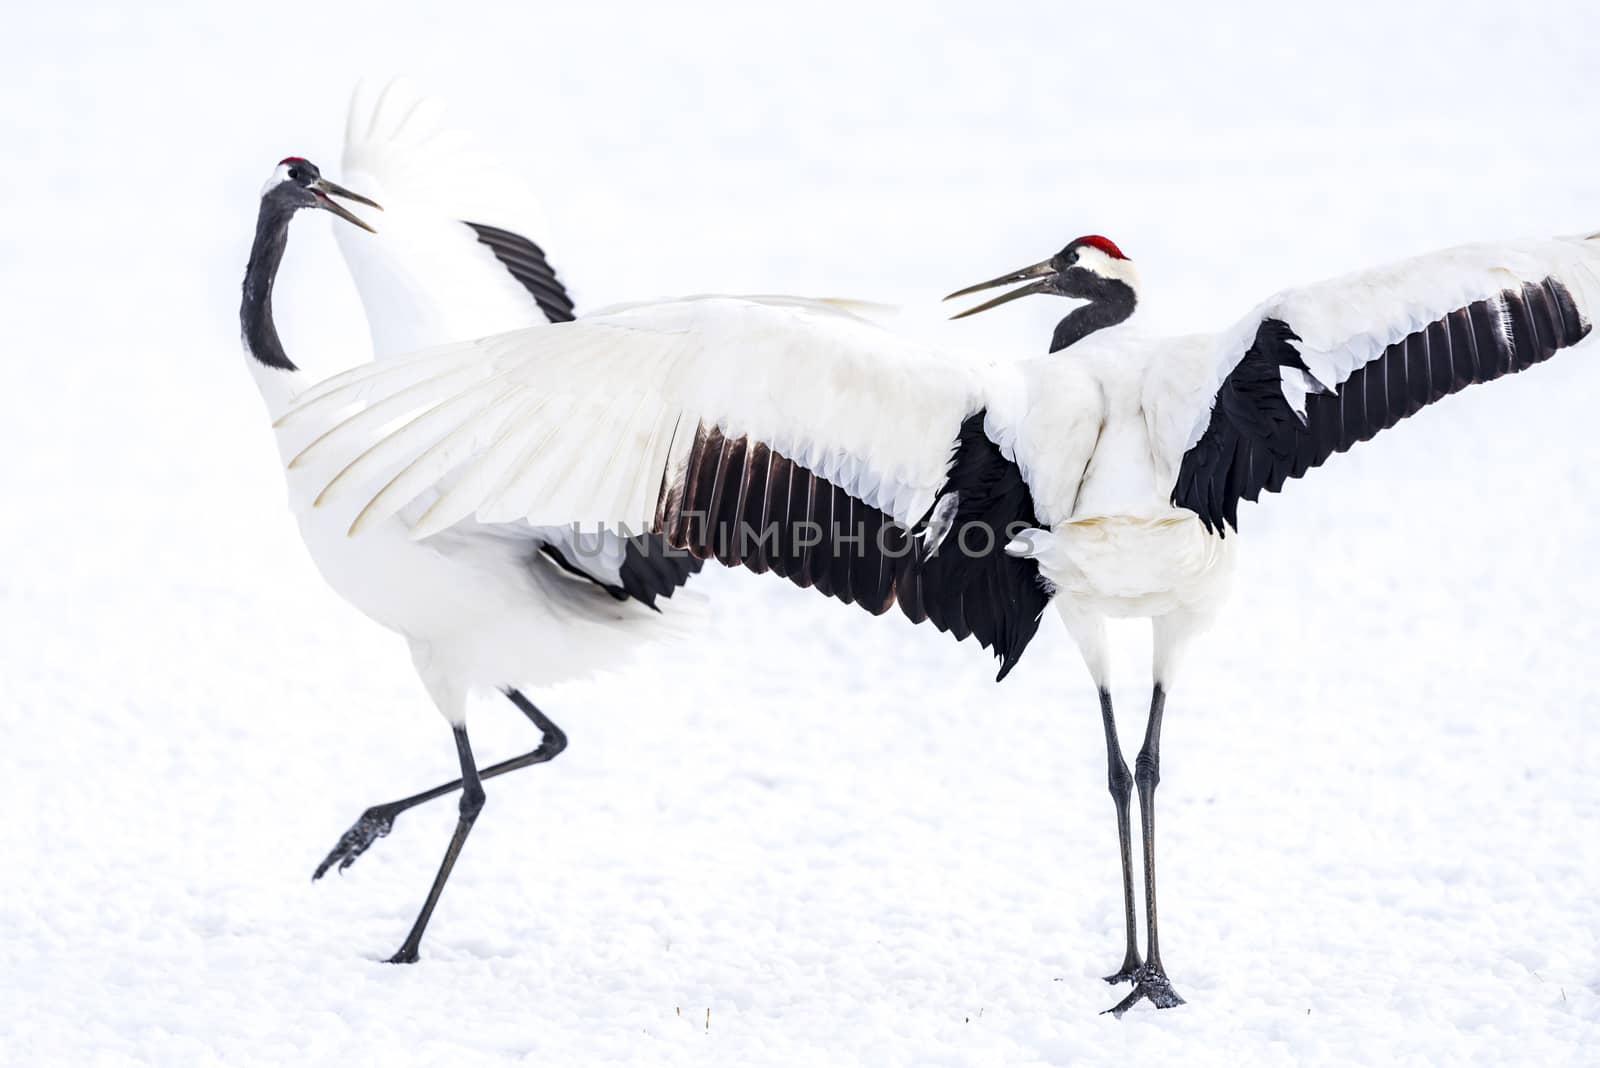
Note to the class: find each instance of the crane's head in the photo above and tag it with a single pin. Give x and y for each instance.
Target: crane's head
(1089, 268)
(296, 183)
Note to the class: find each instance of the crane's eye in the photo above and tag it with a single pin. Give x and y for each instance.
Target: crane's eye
(294, 172)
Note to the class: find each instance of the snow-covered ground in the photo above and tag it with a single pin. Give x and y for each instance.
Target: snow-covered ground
(808, 837)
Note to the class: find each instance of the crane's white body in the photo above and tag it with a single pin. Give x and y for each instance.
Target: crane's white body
(479, 608)
(1089, 444)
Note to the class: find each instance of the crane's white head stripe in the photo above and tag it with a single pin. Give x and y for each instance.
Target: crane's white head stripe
(1093, 259)
(281, 173)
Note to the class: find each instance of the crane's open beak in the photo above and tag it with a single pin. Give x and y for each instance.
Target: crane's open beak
(325, 190)
(1045, 273)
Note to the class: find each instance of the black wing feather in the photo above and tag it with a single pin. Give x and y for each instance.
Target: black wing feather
(527, 264)
(1254, 441)
(651, 569)
(771, 512)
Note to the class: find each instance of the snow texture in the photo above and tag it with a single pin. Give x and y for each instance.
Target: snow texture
(809, 837)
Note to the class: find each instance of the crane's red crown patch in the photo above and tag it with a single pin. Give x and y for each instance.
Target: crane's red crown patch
(1104, 244)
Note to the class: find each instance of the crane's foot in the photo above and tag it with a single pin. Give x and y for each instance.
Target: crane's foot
(1148, 984)
(374, 823)
(1131, 966)
(406, 955)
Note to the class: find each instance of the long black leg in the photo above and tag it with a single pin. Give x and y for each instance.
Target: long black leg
(471, 804)
(1148, 776)
(1151, 981)
(1121, 785)
(378, 820)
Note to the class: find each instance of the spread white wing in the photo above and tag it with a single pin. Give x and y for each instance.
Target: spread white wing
(581, 422)
(1318, 368)
(787, 436)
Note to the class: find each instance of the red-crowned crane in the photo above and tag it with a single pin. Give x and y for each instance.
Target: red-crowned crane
(791, 437)
(534, 605)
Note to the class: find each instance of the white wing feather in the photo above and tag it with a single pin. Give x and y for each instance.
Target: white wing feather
(424, 277)
(579, 422)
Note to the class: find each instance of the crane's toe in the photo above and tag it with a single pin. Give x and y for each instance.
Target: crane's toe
(1129, 970)
(374, 823)
(1148, 984)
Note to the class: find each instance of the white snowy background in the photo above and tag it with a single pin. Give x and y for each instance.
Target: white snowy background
(809, 837)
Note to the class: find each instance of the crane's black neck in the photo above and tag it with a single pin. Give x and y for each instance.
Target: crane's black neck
(255, 311)
(1111, 301)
